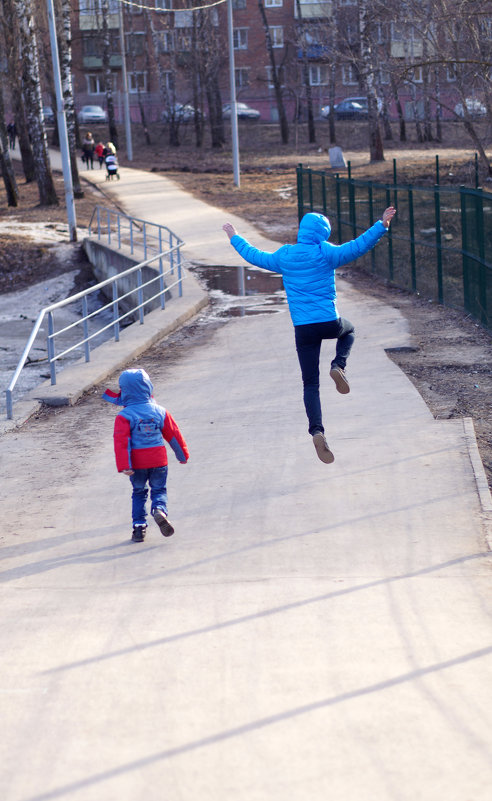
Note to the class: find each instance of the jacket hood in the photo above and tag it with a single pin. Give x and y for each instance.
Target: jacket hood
(313, 229)
(135, 386)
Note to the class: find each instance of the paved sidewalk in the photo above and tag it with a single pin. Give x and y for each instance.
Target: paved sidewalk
(310, 632)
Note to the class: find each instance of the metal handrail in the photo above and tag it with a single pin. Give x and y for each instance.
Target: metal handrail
(172, 254)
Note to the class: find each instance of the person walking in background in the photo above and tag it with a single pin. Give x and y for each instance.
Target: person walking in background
(140, 431)
(99, 151)
(88, 146)
(12, 134)
(308, 272)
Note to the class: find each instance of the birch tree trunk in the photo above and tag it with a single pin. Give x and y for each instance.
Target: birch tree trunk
(108, 78)
(10, 36)
(168, 97)
(133, 69)
(282, 118)
(367, 74)
(65, 54)
(5, 162)
(33, 102)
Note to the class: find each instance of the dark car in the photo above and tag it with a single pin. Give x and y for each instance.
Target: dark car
(244, 112)
(352, 108)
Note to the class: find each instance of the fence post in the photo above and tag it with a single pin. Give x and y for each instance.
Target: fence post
(464, 249)
(371, 222)
(323, 191)
(85, 312)
(339, 208)
(395, 182)
(437, 170)
(412, 240)
(352, 213)
(482, 282)
(300, 192)
(477, 177)
(390, 239)
(437, 207)
(310, 184)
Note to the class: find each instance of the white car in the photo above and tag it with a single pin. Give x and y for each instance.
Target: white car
(244, 112)
(474, 107)
(182, 113)
(92, 114)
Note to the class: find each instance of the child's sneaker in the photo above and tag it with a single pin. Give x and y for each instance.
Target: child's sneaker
(138, 533)
(340, 379)
(322, 448)
(165, 526)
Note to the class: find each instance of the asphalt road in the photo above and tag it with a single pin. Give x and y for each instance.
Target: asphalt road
(311, 631)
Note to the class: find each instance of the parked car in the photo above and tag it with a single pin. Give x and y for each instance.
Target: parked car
(183, 112)
(244, 112)
(474, 107)
(49, 115)
(92, 114)
(352, 108)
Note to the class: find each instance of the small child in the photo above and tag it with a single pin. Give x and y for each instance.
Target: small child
(139, 434)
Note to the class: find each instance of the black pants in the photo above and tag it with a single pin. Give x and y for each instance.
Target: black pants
(308, 346)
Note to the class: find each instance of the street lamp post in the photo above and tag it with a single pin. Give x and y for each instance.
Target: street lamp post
(126, 105)
(62, 126)
(232, 79)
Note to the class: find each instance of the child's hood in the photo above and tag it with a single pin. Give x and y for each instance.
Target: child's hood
(313, 229)
(135, 387)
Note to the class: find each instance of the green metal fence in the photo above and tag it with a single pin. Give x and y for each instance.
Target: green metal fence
(439, 244)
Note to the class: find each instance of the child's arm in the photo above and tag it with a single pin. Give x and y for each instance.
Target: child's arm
(173, 435)
(339, 255)
(121, 437)
(260, 258)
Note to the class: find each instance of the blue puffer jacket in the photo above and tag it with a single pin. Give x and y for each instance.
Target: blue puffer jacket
(308, 268)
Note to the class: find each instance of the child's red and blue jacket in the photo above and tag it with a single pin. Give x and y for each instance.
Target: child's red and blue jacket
(143, 426)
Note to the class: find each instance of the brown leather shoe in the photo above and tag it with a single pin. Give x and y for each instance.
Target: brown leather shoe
(340, 380)
(165, 526)
(322, 448)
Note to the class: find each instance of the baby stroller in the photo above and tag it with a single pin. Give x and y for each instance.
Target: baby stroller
(111, 167)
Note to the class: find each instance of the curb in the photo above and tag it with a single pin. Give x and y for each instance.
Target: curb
(483, 489)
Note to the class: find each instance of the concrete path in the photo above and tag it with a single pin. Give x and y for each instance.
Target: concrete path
(310, 632)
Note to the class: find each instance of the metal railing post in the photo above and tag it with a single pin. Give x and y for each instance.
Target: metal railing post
(310, 185)
(171, 255)
(131, 235)
(85, 312)
(180, 278)
(339, 208)
(300, 192)
(482, 281)
(116, 324)
(145, 240)
(437, 211)
(118, 219)
(98, 224)
(108, 223)
(140, 296)
(371, 222)
(50, 346)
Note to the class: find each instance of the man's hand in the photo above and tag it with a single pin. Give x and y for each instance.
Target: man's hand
(388, 215)
(229, 229)
(128, 472)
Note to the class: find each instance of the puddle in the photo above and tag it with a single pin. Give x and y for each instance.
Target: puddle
(240, 291)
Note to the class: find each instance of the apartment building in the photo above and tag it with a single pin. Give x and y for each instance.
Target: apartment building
(169, 48)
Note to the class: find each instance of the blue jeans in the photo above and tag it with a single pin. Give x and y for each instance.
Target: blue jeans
(308, 346)
(157, 479)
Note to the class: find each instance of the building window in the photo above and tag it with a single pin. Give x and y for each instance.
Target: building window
(163, 5)
(348, 2)
(273, 3)
(184, 42)
(96, 83)
(242, 77)
(135, 43)
(318, 74)
(165, 41)
(137, 82)
(450, 73)
(415, 75)
(238, 4)
(384, 76)
(349, 75)
(169, 80)
(240, 38)
(91, 46)
(93, 7)
(277, 34)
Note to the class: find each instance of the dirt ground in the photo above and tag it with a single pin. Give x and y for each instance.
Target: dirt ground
(451, 359)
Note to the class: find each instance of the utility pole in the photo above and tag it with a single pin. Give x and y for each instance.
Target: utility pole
(126, 105)
(232, 79)
(62, 126)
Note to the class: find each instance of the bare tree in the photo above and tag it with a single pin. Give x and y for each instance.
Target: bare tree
(277, 86)
(368, 73)
(133, 69)
(303, 44)
(64, 34)
(6, 168)
(108, 77)
(31, 90)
